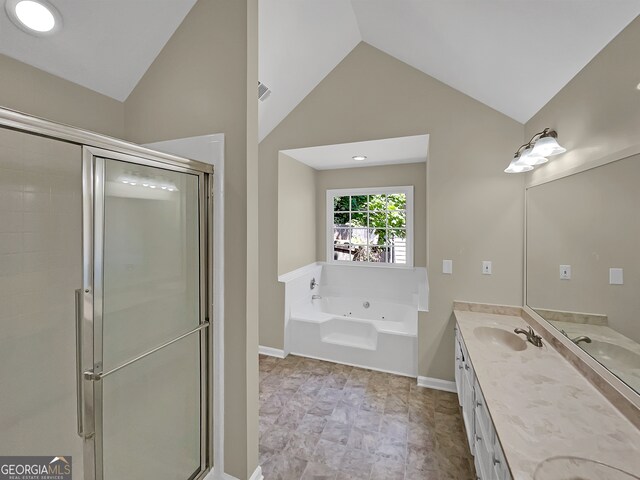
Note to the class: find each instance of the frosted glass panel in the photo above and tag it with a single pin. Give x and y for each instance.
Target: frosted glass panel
(151, 259)
(152, 413)
(40, 267)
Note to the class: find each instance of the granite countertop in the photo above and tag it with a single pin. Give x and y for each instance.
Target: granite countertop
(541, 406)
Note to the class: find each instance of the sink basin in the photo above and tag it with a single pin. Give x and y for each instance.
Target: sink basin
(612, 355)
(500, 338)
(576, 468)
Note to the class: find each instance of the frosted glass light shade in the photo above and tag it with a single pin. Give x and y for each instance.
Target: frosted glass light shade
(528, 157)
(547, 147)
(514, 167)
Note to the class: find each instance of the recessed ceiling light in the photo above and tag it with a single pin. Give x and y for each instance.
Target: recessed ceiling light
(37, 17)
(359, 158)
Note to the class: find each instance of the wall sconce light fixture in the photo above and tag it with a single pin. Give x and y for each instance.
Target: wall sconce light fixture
(535, 152)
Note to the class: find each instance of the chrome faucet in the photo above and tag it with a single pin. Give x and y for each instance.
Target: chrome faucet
(531, 336)
(313, 284)
(582, 338)
(316, 297)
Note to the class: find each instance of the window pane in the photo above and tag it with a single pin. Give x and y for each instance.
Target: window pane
(359, 219)
(378, 236)
(397, 201)
(361, 254)
(359, 203)
(359, 236)
(341, 246)
(341, 204)
(340, 218)
(398, 246)
(378, 202)
(378, 219)
(397, 219)
(341, 234)
(370, 228)
(397, 235)
(342, 253)
(378, 254)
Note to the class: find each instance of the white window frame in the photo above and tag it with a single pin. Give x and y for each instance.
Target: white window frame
(332, 193)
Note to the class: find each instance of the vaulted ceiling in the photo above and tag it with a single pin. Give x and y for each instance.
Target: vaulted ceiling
(104, 45)
(512, 55)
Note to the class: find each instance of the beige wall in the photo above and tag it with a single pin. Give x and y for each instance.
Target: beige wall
(204, 82)
(33, 91)
(598, 112)
(475, 210)
(385, 176)
(597, 116)
(589, 221)
(296, 214)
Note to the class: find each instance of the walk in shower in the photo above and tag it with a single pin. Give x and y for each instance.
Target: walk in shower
(104, 304)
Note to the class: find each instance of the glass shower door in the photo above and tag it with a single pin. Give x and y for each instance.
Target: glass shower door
(148, 328)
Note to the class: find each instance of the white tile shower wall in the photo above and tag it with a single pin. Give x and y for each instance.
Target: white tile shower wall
(40, 267)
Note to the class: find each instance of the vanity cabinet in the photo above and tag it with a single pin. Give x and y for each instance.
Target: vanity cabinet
(483, 442)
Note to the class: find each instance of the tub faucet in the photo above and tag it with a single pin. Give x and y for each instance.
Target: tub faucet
(313, 284)
(531, 336)
(582, 338)
(316, 297)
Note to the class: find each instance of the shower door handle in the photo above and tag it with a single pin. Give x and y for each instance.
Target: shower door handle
(79, 378)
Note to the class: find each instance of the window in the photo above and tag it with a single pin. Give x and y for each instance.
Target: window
(370, 225)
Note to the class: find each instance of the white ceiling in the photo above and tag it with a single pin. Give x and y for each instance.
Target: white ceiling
(513, 55)
(300, 42)
(388, 151)
(106, 46)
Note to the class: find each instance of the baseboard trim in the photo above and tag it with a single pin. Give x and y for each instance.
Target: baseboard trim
(257, 475)
(437, 384)
(351, 364)
(271, 352)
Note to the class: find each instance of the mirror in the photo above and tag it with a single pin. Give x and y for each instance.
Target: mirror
(583, 262)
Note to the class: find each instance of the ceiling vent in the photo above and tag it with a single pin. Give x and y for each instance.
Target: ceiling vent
(263, 91)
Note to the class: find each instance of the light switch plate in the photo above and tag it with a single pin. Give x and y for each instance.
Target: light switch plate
(565, 272)
(486, 267)
(447, 266)
(616, 276)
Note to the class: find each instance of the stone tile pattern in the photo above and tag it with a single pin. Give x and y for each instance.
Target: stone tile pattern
(321, 420)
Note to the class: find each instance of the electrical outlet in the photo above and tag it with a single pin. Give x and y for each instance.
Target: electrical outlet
(616, 276)
(486, 267)
(565, 272)
(447, 266)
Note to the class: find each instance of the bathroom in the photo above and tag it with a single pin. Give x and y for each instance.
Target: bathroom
(177, 332)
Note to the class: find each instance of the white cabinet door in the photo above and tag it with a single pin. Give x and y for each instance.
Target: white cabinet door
(467, 410)
(458, 372)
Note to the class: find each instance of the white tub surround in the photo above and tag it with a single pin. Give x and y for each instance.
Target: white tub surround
(538, 405)
(358, 315)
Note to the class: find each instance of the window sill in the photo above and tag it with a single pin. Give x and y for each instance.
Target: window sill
(370, 265)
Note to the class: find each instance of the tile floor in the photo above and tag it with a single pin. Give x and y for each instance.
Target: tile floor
(321, 420)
